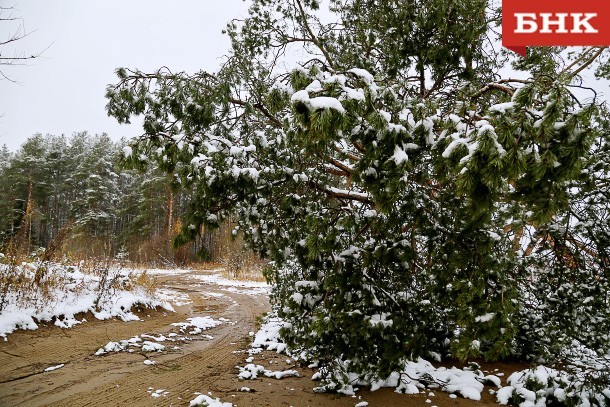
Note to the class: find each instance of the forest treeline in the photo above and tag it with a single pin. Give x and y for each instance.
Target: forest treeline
(73, 195)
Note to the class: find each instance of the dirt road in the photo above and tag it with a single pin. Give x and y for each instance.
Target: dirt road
(204, 364)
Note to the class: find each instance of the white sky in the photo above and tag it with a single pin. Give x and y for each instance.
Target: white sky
(63, 91)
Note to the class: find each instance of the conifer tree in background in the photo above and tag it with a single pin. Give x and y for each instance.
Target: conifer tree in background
(412, 201)
(6, 203)
(73, 194)
(96, 180)
(29, 190)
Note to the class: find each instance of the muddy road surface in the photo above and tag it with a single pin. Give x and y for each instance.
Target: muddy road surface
(31, 373)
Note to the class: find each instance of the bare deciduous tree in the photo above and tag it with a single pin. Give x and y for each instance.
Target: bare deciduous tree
(15, 30)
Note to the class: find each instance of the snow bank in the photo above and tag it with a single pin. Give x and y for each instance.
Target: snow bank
(65, 291)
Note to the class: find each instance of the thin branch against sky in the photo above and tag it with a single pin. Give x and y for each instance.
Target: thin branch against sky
(63, 91)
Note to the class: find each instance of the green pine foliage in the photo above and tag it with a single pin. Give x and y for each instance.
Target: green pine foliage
(411, 202)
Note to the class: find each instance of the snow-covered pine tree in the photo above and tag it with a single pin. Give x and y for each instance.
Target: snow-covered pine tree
(94, 183)
(412, 202)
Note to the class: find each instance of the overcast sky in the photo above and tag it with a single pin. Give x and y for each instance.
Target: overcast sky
(63, 91)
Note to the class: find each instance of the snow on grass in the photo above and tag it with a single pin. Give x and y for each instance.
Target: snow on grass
(65, 291)
(203, 400)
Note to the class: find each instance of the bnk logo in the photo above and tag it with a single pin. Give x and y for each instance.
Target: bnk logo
(528, 23)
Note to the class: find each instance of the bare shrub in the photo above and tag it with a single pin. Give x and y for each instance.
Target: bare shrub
(238, 260)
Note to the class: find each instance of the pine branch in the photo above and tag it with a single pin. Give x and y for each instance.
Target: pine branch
(314, 38)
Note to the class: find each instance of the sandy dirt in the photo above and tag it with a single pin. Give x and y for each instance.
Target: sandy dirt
(202, 365)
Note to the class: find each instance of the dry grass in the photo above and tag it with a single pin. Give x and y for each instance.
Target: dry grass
(34, 281)
(238, 262)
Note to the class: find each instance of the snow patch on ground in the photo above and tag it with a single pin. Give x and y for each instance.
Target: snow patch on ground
(196, 325)
(171, 272)
(153, 343)
(252, 371)
(240, 287)
(173, 296)
(268, 337)
(203, 400)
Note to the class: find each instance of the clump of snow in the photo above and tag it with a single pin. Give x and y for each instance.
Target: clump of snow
(317, 103)
(157, 393)
(268, 336)
(50, 369)
(73, 292)
(203, 400)
(252, 371)
(148, 346)
(502, 107)
(400, 156)
(365, 75)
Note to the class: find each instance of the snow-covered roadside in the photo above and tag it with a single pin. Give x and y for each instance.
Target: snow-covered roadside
(416, 377)
(536, 387)
(66, 291)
